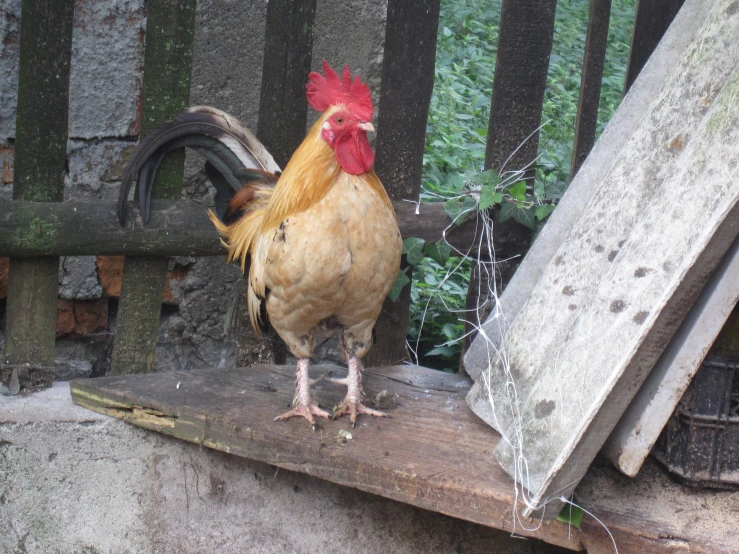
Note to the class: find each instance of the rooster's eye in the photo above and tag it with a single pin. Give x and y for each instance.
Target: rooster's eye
(339, 120)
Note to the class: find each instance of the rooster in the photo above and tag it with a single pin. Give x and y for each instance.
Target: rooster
(319, 242)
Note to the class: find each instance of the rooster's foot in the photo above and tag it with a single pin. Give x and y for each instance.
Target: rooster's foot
(306, 411)
(354, 407)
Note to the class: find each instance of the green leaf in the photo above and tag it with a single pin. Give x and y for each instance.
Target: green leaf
(572, 515)
(458, 211)
(489, 176)
(438, 251)
(441, 351)
(518, 191)
(525, 216)
(449, 330)
(400, 281)
(455, 182)
(543, 210)
(507, 210)
(488, 197)
(413, 250)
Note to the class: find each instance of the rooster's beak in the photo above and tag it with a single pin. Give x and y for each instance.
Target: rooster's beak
(367, 127)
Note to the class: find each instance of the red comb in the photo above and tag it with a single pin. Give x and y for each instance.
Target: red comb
(323, 92)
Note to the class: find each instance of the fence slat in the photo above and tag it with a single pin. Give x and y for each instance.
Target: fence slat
(170, 30)
(590, 83)
(524, 47)
(407, 84)
(40, 154)
(653, 17)
(283, 114)
(288, 47)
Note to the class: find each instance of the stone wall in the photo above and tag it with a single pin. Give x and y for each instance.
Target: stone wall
(105, 103)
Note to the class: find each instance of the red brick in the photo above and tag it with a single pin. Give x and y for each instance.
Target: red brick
(6, 164)
(80, 318)
(110, 273)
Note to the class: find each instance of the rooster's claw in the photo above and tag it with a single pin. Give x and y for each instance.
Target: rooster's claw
(304, 411)
(354, 408)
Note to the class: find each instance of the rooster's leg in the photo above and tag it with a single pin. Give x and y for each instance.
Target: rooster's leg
(352, 403)
(303, 404)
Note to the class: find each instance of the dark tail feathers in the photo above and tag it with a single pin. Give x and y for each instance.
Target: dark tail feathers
(234, 157)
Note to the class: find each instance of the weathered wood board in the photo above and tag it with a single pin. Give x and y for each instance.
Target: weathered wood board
(405, 96)
(179, 228)
(596, 167)
(40, 158)
(433, 452)
(631, 267)
(639, 428)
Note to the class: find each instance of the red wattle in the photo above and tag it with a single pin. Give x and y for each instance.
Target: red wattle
(354, 153)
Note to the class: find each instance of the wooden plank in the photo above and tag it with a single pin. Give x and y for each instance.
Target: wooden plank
(40, 156)
(178, 228)
(288, 47)
(407, 84)
(432, 453)
(590, 83)
(620, 286)
(653, 17)
(170, 30)
(645, 102)
(524, 46)
(638, 430)
(283, 110)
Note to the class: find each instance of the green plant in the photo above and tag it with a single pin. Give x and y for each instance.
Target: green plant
(457, 133)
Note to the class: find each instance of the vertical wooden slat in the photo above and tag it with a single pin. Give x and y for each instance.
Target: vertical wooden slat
(170, 30)
(283, 113)
(407, 84)
(653, 17)
(524, 47)
(283, 110)
(40, 155)
(590, 83)
(288, 46)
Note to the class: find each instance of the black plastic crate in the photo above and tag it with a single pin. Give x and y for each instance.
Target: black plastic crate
(700, 443)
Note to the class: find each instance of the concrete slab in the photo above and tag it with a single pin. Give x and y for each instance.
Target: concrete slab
(72, 480)
(618, 287)
(596, 167)
(638, 430)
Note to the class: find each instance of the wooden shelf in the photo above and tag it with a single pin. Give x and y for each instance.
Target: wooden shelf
(433, 452)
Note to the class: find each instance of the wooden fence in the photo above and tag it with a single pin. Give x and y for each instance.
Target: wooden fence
(37, 227)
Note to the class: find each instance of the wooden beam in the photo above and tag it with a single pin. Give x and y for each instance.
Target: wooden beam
(177, 228)
(40, 156)
(590, 83)
(170, 30)
(407, 84)
(283, 111)
(524, 47)
(653, 17)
